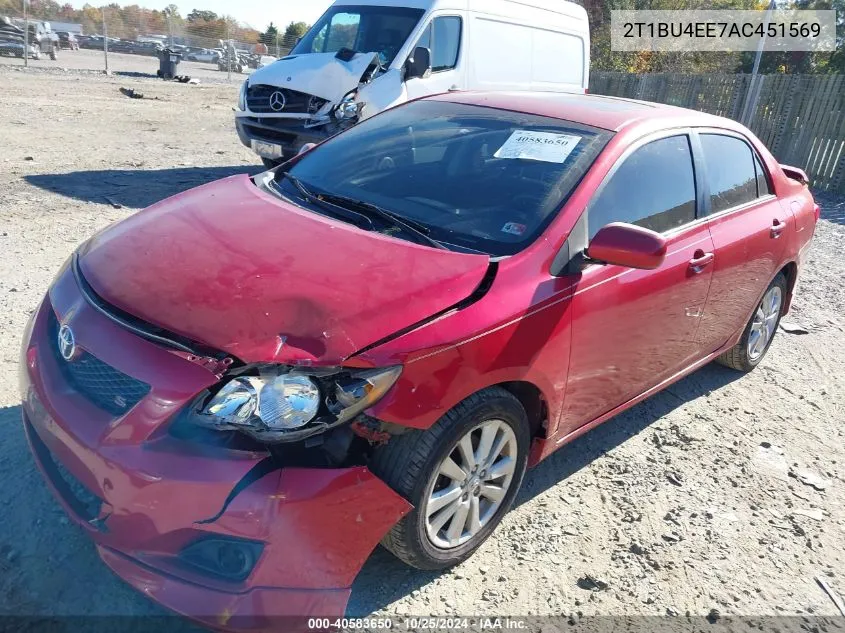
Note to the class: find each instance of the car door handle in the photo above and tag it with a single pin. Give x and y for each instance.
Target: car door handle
(777, 228)
(700, 261)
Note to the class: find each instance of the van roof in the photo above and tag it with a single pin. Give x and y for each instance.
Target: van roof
(609, 113)
(498, 7)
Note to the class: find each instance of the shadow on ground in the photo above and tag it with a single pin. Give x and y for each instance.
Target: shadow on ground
(50, 568)
(133, 188)
(385, 579)
(832, 205)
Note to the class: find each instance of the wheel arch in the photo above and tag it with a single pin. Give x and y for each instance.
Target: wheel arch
(790, 271)
(532, 400)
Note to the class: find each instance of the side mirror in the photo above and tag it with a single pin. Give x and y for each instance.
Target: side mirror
(418, 65)
(628, 245)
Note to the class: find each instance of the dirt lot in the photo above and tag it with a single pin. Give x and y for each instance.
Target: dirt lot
(121, 64)
(687, 503)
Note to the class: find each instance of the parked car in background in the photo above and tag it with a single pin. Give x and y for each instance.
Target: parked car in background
(40, 39)
(203, 55)
(387, 55)
(150, 49)
(402, 320)
(68, 40)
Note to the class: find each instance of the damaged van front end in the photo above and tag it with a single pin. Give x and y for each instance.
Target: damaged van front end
(304, 99)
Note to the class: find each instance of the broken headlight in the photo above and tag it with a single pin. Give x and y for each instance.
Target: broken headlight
(349, 108)
(278, 404)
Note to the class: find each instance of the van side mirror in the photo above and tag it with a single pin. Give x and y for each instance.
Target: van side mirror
(628, 245)
(418, 65)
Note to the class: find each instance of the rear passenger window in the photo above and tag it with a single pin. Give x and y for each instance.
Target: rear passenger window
(763, 188)
(730, 171)
(654, 188)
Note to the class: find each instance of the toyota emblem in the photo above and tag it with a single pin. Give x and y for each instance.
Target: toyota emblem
(67, 343)
(278, 101)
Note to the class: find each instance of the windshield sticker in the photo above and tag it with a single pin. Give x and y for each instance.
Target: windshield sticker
(544, 146)
(513, 228)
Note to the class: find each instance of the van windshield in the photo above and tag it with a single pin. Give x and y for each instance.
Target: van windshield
(469, 177)
(364, 28)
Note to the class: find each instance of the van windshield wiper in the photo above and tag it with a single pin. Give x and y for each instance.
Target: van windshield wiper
(356, 218)
(418, 229)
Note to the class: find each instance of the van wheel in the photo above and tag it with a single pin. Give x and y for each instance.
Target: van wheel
(760, 331)
(461, 476)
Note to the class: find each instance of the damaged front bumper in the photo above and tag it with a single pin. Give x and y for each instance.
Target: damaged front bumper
(226, 537)
(289, 134)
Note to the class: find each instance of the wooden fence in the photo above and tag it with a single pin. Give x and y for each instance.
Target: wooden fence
(801, 118)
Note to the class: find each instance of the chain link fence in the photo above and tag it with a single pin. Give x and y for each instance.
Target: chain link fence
(131, 40)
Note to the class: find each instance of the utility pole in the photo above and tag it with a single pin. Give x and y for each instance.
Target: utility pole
(25, 34)
(228, 53)
(750, 95)
(106, 41)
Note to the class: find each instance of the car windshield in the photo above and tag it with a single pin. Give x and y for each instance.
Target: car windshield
(472, 177)
(366, 29)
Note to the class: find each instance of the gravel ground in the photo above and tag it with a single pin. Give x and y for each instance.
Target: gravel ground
(120, 64)
(691, 502)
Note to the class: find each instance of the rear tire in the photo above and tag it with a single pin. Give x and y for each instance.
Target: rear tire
(419, 466)
(760, 330)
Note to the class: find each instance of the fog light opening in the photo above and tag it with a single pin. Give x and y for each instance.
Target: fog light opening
(229, 559)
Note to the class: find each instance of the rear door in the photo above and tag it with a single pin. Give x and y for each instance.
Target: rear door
(631, 329)
(749, 228)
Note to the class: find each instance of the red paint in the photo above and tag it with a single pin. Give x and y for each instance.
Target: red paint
(628, 245)
(234, 268)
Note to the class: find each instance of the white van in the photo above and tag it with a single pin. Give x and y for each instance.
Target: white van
(364, 56)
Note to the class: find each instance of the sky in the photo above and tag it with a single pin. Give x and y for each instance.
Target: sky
(255, 13)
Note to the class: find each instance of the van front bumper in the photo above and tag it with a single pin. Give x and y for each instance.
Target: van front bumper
(289, 134)
(148, 498)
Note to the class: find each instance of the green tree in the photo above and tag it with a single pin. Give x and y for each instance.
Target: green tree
(202, 16)
(296, 30)
(269, 36)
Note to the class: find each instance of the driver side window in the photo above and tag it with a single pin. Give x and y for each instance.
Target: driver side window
(443, 38)
(653, 188)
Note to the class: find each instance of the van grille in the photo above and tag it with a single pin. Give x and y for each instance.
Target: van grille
(258, 101)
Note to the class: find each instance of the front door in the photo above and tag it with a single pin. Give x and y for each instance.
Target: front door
(443, 37)
(632, 329)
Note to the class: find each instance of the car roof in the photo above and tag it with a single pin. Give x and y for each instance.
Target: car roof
(609, 113)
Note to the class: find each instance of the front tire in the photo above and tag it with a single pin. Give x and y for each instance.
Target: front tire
(461, 476)
(760, 331)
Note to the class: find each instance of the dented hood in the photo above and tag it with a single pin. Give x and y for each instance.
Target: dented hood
(320, 74)
(236, 268)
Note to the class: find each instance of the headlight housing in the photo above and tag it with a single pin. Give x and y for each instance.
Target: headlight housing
(242, 96)
(279, 404)
(349, 108)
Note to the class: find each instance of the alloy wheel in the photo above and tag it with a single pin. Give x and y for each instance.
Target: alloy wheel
(470, 484)
(765, 322)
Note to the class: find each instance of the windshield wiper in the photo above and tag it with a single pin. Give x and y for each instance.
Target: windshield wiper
(358, 219)
(418, 229)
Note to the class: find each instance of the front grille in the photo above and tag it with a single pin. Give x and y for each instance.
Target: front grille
(258, 100)
(101, 384)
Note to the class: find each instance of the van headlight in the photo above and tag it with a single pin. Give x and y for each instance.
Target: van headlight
(349, 108)
(278, 404)
(242, 97)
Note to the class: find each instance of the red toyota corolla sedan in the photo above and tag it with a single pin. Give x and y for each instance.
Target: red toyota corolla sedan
(240, 391)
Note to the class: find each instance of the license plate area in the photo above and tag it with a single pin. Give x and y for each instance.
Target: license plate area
(82, 501)
(266, 150)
